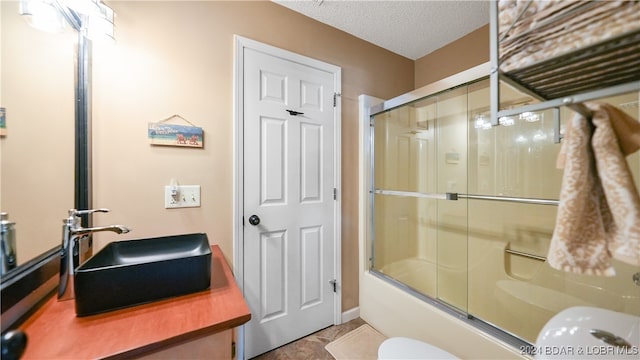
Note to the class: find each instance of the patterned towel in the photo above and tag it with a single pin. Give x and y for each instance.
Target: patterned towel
(599, 212)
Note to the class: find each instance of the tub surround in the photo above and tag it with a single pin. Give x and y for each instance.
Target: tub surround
(54, 331)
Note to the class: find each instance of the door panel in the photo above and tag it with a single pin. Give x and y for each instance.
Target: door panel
(310, 162)
(288, 178)
(273, 87)
(273, 164)
(311, 266)
(273, 284)
(311, 95)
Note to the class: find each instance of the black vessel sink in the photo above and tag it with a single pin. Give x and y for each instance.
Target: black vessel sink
(126, 273)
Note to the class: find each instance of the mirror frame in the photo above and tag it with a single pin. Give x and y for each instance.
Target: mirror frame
(27, 286)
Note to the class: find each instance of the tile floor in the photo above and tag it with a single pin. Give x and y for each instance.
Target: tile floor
(312, 346)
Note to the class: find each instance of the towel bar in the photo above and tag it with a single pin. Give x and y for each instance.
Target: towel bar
(581, 109)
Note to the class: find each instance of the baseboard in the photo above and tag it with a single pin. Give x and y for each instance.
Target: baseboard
(351, 314)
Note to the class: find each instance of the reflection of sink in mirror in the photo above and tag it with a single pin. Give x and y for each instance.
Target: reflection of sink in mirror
(520, 300)
(126, 273)
(570, 335)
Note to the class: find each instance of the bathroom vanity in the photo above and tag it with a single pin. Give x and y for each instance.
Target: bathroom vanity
(198, 325)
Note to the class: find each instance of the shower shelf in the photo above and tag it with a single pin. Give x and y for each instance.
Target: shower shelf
(600, 69)
(456, 196)
(609, 63)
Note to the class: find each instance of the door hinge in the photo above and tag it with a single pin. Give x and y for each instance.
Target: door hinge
(334, 282)
(335, 194)
(335, 99)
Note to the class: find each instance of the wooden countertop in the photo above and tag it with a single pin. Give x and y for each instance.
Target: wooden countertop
(54, 331)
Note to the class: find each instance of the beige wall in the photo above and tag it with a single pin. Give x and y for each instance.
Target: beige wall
(462, 54)
(177, 58)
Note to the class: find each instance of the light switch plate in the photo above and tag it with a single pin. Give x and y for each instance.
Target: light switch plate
(187, 196)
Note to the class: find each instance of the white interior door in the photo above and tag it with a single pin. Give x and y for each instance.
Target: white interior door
(289, 207)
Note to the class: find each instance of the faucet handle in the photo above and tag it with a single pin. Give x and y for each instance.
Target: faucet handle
(74, 212)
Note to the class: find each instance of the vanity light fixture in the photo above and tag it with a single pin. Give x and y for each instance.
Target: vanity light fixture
(539, 136)
(506, 121)
(43, 15)
(97, 17)
(481, 121)
(521, 139)
(92, 17)
(530, 116)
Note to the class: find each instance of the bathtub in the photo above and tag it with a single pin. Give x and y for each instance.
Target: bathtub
(419, 274)
(423, 275)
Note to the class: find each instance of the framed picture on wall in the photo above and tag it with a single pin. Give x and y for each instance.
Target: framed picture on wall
(175, 135)
(3, 122)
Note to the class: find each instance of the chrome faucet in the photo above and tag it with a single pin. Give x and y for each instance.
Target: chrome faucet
(70, 255)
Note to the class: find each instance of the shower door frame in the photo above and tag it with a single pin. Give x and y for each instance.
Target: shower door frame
(474, 74)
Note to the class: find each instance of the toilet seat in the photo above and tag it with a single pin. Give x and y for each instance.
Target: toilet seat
(405, 348)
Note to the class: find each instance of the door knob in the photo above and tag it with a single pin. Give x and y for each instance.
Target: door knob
(254, 220)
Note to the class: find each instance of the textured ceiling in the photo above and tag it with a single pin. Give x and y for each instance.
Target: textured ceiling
(409, 28)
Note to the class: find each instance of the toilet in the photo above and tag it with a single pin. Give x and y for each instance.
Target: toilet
(404, 348)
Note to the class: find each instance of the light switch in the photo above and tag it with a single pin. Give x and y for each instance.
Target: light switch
(185, 196)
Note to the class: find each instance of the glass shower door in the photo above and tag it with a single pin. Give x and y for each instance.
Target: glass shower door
(419, 154)
(451, 169)
(510, 284)
(511, 160)
(484, 254)
(404, 148)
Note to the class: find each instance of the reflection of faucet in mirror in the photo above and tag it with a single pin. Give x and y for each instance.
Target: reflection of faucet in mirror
(70, 258)
(8, 243)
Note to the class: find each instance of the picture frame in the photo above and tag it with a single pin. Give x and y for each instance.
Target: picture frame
(162, 134)
(3, 121)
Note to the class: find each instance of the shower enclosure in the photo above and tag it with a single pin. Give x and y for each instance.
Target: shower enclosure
(461, 213)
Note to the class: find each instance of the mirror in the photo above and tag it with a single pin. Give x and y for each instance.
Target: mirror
(37, 168)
